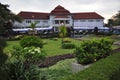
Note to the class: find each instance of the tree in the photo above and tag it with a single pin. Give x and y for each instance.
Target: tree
(33, 25)
(114, 21)
(63, 32)
(117, 18)
(6, 19)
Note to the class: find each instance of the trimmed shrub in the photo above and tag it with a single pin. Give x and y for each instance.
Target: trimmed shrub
(68, 46)
(91, 51)
(66, 40)
(31, 41)
(104, 69)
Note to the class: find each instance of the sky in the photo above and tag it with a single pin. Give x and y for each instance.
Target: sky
(106, 8)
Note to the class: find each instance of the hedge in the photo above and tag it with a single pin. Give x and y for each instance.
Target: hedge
(105, 69)
(68, 46)
(93, 50)
(29, 41)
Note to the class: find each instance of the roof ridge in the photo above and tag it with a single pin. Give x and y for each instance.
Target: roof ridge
(32, 12)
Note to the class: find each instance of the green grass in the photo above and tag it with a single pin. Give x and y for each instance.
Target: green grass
(53, 47)
(10, 44)
(60, 70)
(105, 69)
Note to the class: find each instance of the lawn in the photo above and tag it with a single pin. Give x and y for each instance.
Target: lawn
(53, 47)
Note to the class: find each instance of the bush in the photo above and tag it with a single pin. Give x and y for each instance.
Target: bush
(91, 51)
(3, 56)
(17, 71)
(2, 43)
(104, 69)
(21, 64)
(31, 41)
(32, 54)
(68, 46)
(66, 40)
(18, 37)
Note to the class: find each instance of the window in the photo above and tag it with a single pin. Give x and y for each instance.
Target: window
(76, 20)
(61, 22)
(37, 21)
(90, 20)
(67, 22)
(28, 21)
(98, 20)
(56, 22)
(45, 21)
(83, 20)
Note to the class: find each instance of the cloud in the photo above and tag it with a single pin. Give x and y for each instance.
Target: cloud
(106, 8)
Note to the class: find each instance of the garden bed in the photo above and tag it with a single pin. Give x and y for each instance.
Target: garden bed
(49, 61)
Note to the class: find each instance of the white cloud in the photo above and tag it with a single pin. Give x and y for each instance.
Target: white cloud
(106, 8)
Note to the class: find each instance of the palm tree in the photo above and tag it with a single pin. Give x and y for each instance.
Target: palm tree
(63, 32)
(33, 25)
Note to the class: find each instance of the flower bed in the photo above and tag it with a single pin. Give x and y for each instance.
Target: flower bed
(49, 61)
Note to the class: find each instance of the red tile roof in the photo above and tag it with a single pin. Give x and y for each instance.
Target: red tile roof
(33, 15)
(87, 15)
(59, 10)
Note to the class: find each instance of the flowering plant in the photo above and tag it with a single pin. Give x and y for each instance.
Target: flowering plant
(33, 53)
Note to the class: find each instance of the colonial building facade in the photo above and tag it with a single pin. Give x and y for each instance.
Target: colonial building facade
(59, 16)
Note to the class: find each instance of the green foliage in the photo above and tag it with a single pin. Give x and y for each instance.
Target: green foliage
(31, 41)
(29, 54)
(18, 37)
(114, 21)
(18, 71)
(2, 43)
(63, 32)
(20, 65)
(68, 46)
(3, 56)
(104, 69)
(7, 18)
(91, 51)
(66, 40)
(33, 25)
(60, 70)
(32, 54)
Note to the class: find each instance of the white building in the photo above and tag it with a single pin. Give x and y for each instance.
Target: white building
(58, 16)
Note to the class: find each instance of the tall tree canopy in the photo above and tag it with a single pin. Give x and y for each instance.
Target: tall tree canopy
(7, 18)
(114, 21)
